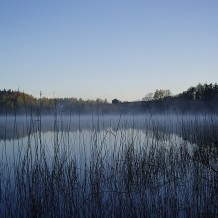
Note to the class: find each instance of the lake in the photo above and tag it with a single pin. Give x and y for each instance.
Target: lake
(109, 166)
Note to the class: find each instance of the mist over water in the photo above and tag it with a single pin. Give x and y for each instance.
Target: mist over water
(191, 127)
(154, 165)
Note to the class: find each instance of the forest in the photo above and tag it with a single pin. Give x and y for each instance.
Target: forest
(201, 98)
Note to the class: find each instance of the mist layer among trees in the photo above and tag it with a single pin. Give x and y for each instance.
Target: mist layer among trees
(201, 98)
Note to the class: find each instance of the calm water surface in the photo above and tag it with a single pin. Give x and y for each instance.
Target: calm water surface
(145, 165)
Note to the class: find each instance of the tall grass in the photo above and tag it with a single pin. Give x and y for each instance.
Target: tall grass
(133, 167)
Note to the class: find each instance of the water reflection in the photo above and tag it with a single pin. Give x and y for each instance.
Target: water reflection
(196, 129)
(109, 165)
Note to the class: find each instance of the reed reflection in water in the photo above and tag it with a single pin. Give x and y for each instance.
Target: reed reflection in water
(107, 166)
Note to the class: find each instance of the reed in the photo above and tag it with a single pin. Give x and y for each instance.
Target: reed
(161, 166)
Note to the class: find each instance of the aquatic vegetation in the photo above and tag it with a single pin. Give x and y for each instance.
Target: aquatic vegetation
(110, 166)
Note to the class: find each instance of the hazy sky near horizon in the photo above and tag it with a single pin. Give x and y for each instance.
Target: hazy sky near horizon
(107, 48)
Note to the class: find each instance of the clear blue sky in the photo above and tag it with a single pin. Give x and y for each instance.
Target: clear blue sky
(107, 48)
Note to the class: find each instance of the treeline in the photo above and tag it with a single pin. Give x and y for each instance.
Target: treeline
(17, 102)
(205, 93)
(201, 98)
